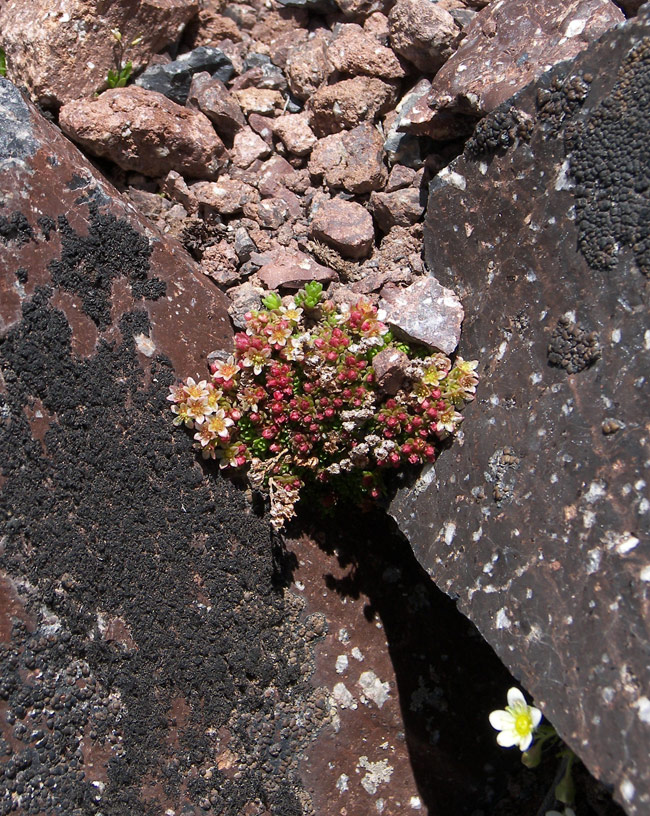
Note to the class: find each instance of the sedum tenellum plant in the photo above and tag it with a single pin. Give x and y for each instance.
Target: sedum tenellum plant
(298, 402)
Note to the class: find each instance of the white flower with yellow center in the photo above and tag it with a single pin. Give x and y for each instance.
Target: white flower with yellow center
(517, 724)
(219, 423)
(291, 312)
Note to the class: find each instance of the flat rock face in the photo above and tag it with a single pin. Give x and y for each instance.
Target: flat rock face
(507, 45)
(538, 519)
(63, 49)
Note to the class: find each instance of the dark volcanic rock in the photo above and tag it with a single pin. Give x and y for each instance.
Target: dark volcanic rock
(149, 663)
(538, 521)
(173, 79)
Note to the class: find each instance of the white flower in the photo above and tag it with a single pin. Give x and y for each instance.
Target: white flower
(517, 723)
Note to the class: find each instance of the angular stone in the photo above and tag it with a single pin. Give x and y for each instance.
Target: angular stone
(176, 188)
(538, 523)
(295, 133)
(346, 104)
(46, 52)
(209, 28)
(146, 132)
(248, 147)
(400, 208)
(507, 45)
(423, 33)
(225, 197)
(351, 159)
(307, 67)
(273, 175)
(390, 367)
(400, 147)
(426, 313)
(291, 269)
(212, 98)
(354, 52)
(344, 225)
(259, 100)
(173, 79)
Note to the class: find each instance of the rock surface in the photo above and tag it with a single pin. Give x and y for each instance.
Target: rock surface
(506, 46)
(173, 79)
(424, 33)
(290, 269)
(351, 160)
(344, 225)
(538, 521)
(144, 131)
(426, 313)
(62, 49)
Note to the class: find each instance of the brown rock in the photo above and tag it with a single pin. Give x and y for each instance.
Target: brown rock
(275, 173)
(225, 197)
(210, 27)
(352, 160)
(401, 177)
(294, 132)
(423, 33)
(401, 208)
(270, 213)
(47, 53)
(553, 511)
(263, 126)
(390, 366)
(507, 45)
(377, 26)
(359, 9)
(307, 66)
(212, 98)
(346, 104)
(354, 52)
(144, 131)
(273, 23)
(176, 188)
(259, 100)
(344, 225)
(248, 147)
(290, 269)
(220, 263)
(426, 313)
(281, 45)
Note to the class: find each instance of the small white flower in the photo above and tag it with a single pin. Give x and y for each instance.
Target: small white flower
(517, 723)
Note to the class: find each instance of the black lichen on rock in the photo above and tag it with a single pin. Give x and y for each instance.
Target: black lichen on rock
(160, 647)
(572, 347)
(561, 99)
(498, 131)
(89, 263)
(15, 229)
(609, 164)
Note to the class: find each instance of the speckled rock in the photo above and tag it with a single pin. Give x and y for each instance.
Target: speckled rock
(423, 33)
(354, 52)
(294, 132)
(426, 313)
(225, 197)
(402, 208)
(248, 147)
(346, 104)
(507, 45)
(307, 67)
(538, 523)
(144, 131)
(344, 225)
(352, 160)
(212, 98)
(62, 49)
(291, 269)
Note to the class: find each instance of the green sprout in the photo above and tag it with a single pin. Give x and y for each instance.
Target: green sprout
(119, 75)
(3, 63)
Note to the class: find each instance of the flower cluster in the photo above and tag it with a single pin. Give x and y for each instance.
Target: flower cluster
(298, 401)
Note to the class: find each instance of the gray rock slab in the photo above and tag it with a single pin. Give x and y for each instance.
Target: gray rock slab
(538, 518)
